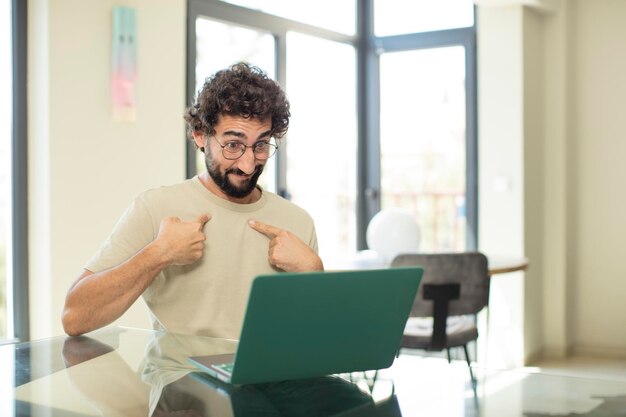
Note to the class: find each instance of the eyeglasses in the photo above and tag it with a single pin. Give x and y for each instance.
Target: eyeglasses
(233, 149)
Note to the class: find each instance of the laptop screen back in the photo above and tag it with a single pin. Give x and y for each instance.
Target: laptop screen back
(312, 324)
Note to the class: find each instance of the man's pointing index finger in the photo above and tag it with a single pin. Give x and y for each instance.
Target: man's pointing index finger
(266, 229)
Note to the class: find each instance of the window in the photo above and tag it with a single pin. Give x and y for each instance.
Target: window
(322, 143)
(428, 117)
(383, 108)
(422, 141)
(290, 52)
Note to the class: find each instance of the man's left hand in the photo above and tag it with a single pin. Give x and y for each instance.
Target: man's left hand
(287, 251)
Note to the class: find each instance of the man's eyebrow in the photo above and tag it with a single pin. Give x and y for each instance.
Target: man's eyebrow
(235, 134)
(265, 134)
(242, 135)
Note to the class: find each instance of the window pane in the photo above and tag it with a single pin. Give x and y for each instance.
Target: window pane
(219, 45)
(322, 145)
(395, 17)
(6, 116)
(423, 154)
(337, 15)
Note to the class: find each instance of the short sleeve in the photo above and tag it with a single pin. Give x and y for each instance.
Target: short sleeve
(313, 240)
(133, 232)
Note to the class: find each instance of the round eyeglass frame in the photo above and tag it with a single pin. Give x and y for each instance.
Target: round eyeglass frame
(273, 147)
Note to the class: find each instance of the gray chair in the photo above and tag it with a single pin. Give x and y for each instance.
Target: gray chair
(454, 284)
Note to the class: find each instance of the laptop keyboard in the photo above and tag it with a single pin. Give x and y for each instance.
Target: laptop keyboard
(225, 367)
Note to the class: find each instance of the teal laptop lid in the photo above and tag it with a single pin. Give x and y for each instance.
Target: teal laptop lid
(302, 325)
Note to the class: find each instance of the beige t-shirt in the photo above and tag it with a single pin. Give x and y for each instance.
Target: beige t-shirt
(208, 297)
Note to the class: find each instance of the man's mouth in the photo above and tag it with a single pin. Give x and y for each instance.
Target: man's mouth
(239, 173)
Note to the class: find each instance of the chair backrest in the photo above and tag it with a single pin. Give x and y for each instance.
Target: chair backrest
(468, 269)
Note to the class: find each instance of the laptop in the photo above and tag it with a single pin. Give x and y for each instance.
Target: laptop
(303, 325)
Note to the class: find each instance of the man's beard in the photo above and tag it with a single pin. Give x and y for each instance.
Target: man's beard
(228, 187)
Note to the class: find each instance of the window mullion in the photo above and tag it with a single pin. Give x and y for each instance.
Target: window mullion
(368, 98)
(281, 76)
(20, 176)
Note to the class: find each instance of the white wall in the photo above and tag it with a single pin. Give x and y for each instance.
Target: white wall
(556, 230)
(551, 94)
(534, 175)
(84, 168)
(501, 171)
(598, 132)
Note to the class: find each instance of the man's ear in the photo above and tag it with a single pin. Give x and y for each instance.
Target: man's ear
(200, 139)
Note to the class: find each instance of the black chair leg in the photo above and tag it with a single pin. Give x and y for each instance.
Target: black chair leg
(473, 380)
(448, 352)
(469, 366)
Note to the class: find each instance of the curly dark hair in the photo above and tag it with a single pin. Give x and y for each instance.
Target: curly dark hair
(240, 90)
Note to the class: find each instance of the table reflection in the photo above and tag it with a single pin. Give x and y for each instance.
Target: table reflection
(113, 387)
(167, 385)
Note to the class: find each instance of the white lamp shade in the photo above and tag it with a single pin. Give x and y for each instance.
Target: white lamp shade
(392, 232)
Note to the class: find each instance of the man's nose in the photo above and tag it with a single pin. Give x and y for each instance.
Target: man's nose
(247, 161)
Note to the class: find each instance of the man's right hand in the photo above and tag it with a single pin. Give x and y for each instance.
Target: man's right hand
(182, 243)
(97, 299)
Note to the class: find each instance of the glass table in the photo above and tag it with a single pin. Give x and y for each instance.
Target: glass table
(132, 372)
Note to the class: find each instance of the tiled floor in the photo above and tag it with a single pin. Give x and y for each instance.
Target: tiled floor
(607, 369)
(580, 387)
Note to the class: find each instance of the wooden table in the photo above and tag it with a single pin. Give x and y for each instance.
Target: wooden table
(500, 264)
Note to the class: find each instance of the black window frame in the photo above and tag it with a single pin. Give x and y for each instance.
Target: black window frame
(19, 174)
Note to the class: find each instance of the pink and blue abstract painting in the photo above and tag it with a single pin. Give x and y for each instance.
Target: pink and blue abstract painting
(124, 64)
